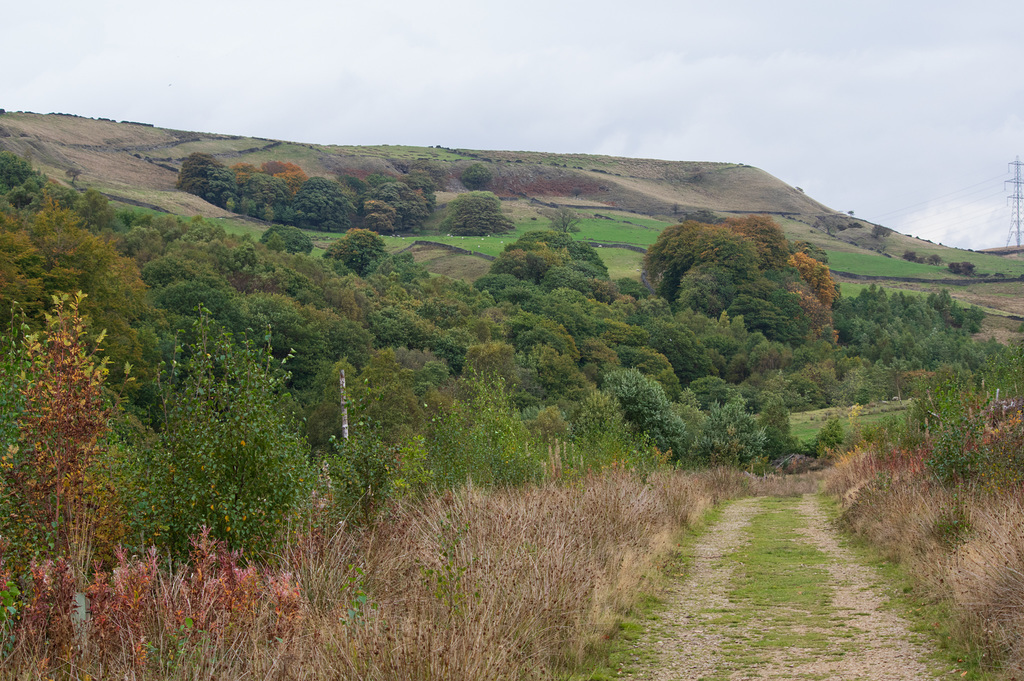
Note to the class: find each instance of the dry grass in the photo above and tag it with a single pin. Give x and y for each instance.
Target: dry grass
(452, 265)
(516, 583)
(964, 546)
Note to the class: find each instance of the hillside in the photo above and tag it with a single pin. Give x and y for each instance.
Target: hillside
(140, 163)
(621, 200)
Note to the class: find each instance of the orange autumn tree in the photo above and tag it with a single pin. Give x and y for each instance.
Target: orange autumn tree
(243, 171)
(817, 302)
(57, 492)
(292, 174)
(767, 237)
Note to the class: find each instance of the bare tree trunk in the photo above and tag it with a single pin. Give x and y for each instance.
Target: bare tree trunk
(344, 406)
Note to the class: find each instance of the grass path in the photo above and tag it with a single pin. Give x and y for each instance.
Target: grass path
(770, 593)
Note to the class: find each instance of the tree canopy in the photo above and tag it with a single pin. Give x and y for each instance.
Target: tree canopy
(476, 176)
(293, 239)
(13, 171)
(475, 214)
(321, 204)
(360, 250)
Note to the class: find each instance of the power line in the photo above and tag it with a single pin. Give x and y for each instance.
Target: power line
(989, 182)
(954, 214)
(1015, 199)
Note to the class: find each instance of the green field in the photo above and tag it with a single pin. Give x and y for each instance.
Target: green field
(852, 290)
(875, 265)
(621, 263)
(805, 425)
(623, 230)
(613, 228)
(984, 263)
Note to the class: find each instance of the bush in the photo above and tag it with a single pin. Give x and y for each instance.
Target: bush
(731, 436)
(648, 409)
(229, 458)
(57, 493)
(480, 439)
(830, 436)
(362, 472)
(476, 176)
(293, 238)
(965, 268)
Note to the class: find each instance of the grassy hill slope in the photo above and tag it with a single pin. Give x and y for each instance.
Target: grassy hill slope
(621, 200)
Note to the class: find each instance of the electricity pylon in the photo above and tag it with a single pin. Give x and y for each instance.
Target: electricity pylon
(1016, 200)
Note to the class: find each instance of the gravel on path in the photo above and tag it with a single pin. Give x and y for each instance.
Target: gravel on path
(688, 640)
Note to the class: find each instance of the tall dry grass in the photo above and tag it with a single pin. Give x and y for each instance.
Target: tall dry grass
(963, 544)
(514, 583)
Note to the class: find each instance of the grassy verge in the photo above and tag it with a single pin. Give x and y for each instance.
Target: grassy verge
(957, 553)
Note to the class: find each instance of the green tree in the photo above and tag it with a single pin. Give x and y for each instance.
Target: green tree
(493, 360)
(265, 190)
(712, 390)
(559, 375)
(69, 258)
(681, 347)
(293, 238)
(563, 219)
(681, 247)
(383, 398)
(321, 204)
(13, 171)
(830, 436)
(647, 408)
(206, 177)
(228, 457)
(730, 436)
(476, 176)
(537, 253)
(475, 214)
(379, 216)
(95, 211)
(22, 271)
(410, 207)
(766, 236)
(774, 420)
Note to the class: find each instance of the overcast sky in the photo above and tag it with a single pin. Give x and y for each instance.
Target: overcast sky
(905, 112)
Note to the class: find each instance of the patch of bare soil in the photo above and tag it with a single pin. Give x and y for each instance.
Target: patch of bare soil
(689, 640)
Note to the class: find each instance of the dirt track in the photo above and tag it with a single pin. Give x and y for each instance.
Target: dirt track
(715, 625)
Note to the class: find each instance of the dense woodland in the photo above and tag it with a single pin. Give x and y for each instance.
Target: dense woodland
(744, 325)
(207, 365)
(282, 193)
(740, 315)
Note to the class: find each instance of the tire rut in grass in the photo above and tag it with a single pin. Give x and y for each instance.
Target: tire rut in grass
(771, 593)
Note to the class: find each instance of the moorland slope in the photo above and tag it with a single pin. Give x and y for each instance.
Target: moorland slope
(620, 200)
